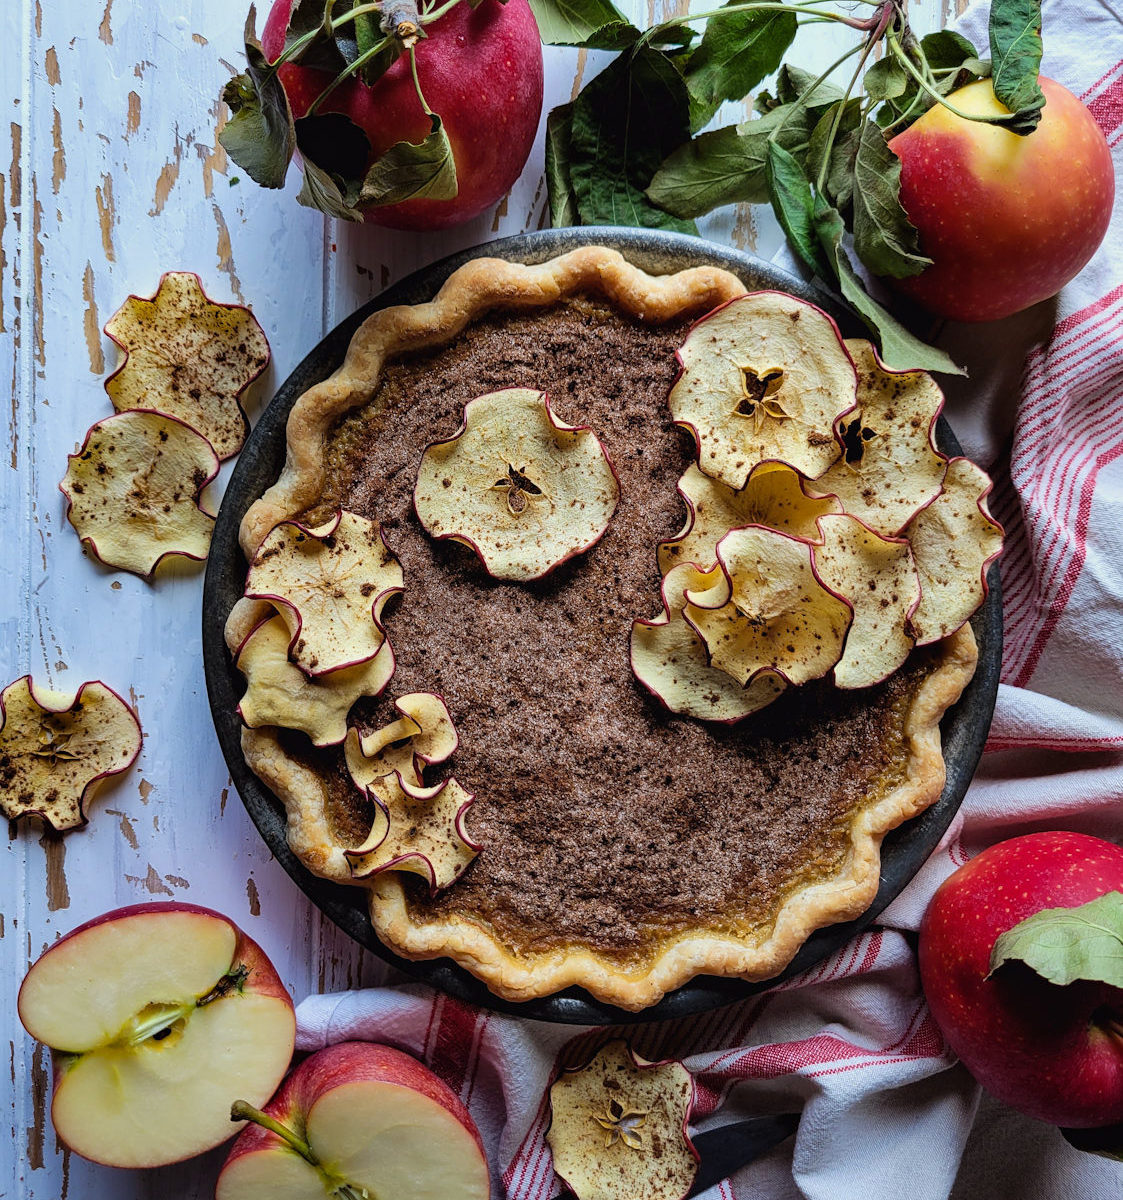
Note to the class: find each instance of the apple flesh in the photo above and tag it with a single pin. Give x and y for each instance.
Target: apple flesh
(1007, 220)
(480, 70)
(359, 1119)
(1055, 1053)
(158, 1017)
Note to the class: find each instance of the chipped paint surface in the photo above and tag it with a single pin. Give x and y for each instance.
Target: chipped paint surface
(132, 121)
(90, 323)
(106, 215)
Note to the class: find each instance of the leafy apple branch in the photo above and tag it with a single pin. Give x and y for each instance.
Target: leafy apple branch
(634, 147)
(345, 40)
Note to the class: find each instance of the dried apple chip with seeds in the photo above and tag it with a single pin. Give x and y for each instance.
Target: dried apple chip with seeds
(771, 613)
(416, 829)
(525, 491)
(890, 467)
(133, 491)
(279, 693)
(773, 496)
(56, 748)
(954, 540)
(328, 583)
(188, 356)
(877, 576)
(422, 736)
(670, 659)
(763, 377)
(618, 1128)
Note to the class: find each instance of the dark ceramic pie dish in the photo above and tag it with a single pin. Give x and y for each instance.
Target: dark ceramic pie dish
(904, 850)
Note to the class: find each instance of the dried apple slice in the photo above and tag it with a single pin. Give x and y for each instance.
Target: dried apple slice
(188, 356)
(56, 749)
(877, 576)
(422, 735)
(416, 829)
(954, 540)
(670, 659)
(763, 377)
(328, 583)
(890, 467)
(772, 613)
(133, 489)
(773, 496)
(525, 491)
(279, 693)
(618, 1128)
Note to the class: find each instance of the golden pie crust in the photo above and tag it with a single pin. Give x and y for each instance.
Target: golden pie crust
(757, 950)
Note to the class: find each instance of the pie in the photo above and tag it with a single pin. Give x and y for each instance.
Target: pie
(591, 836)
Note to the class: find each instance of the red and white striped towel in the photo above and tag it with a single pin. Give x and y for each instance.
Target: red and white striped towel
(887, 1115)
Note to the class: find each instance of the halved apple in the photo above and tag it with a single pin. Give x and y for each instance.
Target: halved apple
(356, 1120)
(158, 1017)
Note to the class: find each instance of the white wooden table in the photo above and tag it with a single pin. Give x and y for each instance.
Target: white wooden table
(112, 176)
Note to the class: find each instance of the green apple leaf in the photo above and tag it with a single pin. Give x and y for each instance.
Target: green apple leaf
(329, 195)
(820, 144)
(412, 170)
(946, 50)
(1066, 944)
(259, 136)
(1106, 1141)
(563, 203)
(625, 122)
(574, 22)
(900, 349)
(884, 237)
(794, 206)
(324, 50)
(727, 166)
(839, 183)
(885, 80)
(792, 84)
(1015, 50)
(737, 51)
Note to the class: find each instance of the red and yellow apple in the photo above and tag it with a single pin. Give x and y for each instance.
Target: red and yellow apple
(358, 1119)
(158, 1017)
(1053, 1052)
(480, 70)
(1007, 220)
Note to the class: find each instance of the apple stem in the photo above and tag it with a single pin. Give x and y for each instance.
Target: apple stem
(240, 1110)
(906, 62)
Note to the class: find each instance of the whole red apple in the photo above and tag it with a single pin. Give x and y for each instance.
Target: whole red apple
(358, 1119)
(1055, 1053)
(1007, 220)
(158, 1017)
(480, 70)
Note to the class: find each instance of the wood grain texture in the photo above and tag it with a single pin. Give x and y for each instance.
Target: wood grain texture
(110, 174)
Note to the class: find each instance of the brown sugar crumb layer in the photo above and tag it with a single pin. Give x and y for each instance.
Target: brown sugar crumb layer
(604, 819)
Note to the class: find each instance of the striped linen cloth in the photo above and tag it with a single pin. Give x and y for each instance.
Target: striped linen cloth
(887, 1113)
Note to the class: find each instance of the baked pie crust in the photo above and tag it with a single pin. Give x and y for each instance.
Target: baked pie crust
(667, 955)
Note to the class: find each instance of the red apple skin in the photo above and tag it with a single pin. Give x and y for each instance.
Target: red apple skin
(1045, 1050)
(1007, 220)
(480, 71)
(344, 1063)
